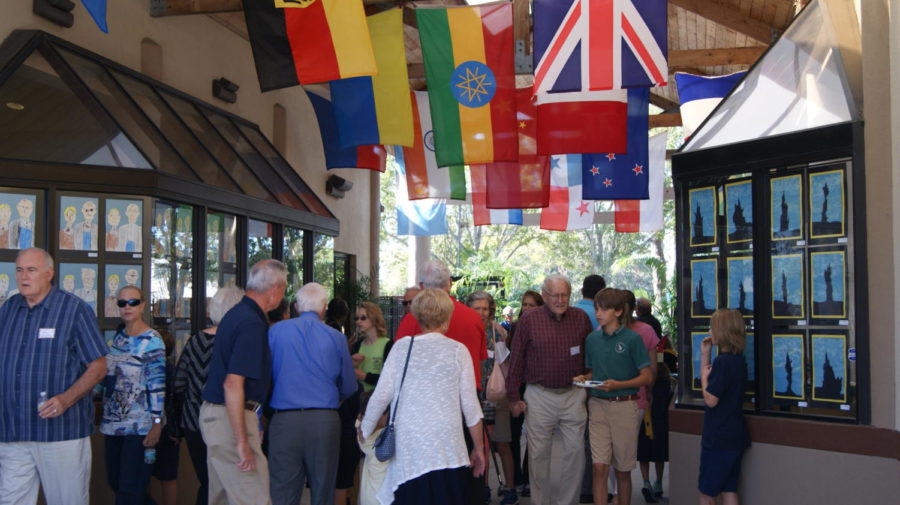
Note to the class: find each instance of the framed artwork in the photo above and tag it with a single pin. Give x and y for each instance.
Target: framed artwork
(739, 212)
(829, 368)
(740, 284)
(704, 287)
(78, 228)
(17, 220)
(828, 284)
(117, 277)
(80, 279)
(123, 226)
(703, 216)
(7, 281)
(785, 210)
(787, 286)
(826, 204)
(696, 338)
(787, 367)
(750, 357)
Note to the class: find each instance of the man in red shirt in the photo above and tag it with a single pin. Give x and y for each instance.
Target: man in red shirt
(465, 324)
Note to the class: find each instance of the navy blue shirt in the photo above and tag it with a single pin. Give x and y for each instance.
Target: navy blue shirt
(45, 348)
(723, 425)
(241, 348)
(311, 364)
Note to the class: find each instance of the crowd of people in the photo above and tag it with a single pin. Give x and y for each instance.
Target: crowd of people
(270, 404)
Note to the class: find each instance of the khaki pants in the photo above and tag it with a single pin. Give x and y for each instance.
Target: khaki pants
(549, 410)
(614, 433)
(227, 484)
(63, 469)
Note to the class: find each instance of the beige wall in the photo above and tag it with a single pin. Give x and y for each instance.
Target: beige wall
(774, 474)
(195, 50)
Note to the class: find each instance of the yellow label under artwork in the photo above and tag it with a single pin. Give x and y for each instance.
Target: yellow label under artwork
(293, 4)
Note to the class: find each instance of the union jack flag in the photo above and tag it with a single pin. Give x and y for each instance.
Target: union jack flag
(593, 45)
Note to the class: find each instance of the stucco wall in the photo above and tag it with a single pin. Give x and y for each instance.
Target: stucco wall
(195, 50)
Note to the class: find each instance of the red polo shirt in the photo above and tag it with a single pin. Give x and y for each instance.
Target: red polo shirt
(465, 327)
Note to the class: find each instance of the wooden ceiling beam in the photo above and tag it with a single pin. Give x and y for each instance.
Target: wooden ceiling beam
(664, 120)
(724, 14)
(717, 56)
(664, 103)
(160, 8)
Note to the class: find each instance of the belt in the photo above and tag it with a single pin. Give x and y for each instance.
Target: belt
(624, 398)
(278, 411)
(557, 391)
(248, 405)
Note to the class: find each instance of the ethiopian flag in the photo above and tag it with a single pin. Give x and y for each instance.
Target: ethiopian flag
(468, 53)
(308, 41)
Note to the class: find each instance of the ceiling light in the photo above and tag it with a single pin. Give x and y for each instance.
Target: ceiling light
(14, 106)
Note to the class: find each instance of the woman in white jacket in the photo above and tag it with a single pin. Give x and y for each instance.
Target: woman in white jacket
(439, 390)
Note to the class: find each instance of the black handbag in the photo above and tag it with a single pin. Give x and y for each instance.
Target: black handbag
(385, 444)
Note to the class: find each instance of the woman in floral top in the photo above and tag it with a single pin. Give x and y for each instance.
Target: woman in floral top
(133, 399)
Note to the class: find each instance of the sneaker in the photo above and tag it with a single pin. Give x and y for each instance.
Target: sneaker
(509, 497)
(657, 489)
(648, 495)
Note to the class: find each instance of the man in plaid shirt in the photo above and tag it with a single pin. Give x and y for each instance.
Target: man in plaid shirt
(547, 352)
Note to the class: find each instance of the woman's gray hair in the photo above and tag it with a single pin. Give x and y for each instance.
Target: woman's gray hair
(550, 279)
(312, 297)
(483, 295)
(223, 301)
(265, 275)
(434, 274)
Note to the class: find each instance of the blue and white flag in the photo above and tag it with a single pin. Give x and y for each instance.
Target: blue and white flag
(418, 217)
(700, 94)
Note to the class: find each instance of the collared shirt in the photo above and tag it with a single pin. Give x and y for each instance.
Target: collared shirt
(619, 356)
(241, 348)
(311, 364)
(548, 349)
(588, 307)
(653, 322)
(465, 327)
(45, 348)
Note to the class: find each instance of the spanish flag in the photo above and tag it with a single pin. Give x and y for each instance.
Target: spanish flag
(308, 41)
(468, 53)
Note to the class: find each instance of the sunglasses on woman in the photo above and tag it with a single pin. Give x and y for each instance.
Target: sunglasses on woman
(361, 318)
(131, 302)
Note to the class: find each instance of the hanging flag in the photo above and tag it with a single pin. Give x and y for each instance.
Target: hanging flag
(582, 122)
(377, 109)
(468, 53)
(613, 176)
(97, 10)
(523, 184)
(308, 41)
(420, 217)
(700, 94)
(424, 178)
(567, 211)
(370, 157)
(646, 215)
(593, 45)
(481, 215)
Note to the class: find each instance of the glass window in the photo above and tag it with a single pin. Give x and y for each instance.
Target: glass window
(293, 258)
(250, 156)
(42, 119)
(221, 252)
(259, 246)
(171, 270)
(323, 261)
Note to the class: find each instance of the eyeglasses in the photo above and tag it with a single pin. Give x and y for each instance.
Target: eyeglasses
(361, 318)
(131, 302)
(405, 302)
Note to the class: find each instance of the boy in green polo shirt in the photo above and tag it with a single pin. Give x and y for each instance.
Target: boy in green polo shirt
(615, 355)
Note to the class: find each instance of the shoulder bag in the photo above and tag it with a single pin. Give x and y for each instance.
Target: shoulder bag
(385, 443)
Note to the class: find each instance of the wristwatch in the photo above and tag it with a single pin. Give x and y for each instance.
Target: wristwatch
(157, 420)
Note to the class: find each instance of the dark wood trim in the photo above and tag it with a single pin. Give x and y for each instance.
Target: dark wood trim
(822, 436)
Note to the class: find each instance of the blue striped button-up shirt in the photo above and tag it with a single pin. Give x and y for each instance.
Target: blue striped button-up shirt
(45, 348)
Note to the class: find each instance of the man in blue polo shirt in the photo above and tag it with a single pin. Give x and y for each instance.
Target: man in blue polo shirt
(313, 373)
(51, 356)
(237, 386)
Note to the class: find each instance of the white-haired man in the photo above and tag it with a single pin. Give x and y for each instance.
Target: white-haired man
(313, 373)
(240, 372)
(549, 351)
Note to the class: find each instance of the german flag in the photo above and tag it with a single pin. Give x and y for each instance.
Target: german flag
(308, 41)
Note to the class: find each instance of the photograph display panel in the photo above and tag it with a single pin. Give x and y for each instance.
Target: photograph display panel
(829, 367)
(80, 279)
(739, 212)
(788, 297)
(786, 207)
(788, 366)
(18, 218)
(703, 216)
(740, 284)
(827, 204)
(78, 217)
(828, 284)
(124, 232)
(704, 287)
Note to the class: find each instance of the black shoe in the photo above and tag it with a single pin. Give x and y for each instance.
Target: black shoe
(609, 497)
(586, 498)
(648, 495)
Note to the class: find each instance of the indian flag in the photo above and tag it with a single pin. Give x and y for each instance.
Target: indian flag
(424, 178)
(468, 53)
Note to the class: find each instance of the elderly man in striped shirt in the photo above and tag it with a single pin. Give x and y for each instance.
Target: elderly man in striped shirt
(547, 352)
(51, 356)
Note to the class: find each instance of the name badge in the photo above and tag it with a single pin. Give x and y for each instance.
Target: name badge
(490, 354)
(47, 333)
(575, 350)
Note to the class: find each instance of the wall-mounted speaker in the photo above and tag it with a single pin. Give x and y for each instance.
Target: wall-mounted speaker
(336, 186)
